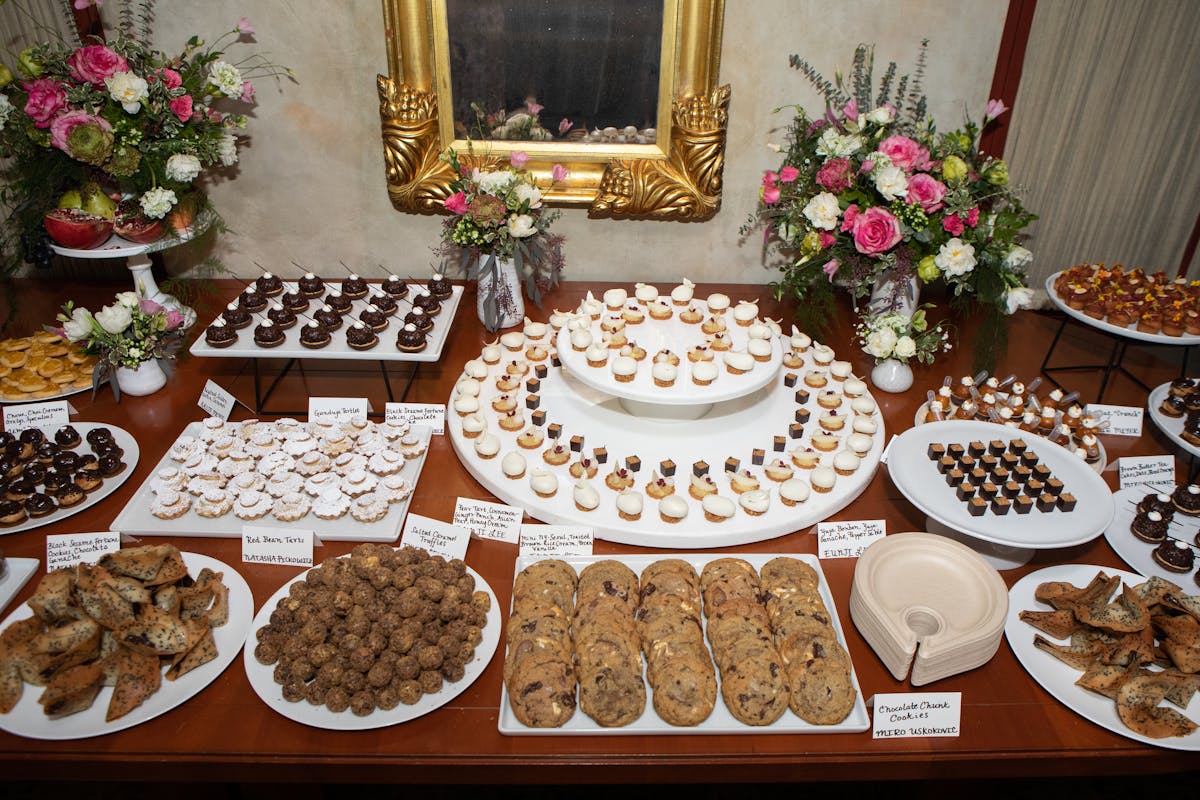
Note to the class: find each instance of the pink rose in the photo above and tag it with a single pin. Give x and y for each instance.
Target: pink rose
(769, 179)
(876, 231)
(827, 239)
(559, 173)
(848, 217)
(834, 175)
(148, 306)
(456, 202)
(972, 217)
(831, 267)
(952, 225)
(170, 78)
(903, 151)
(63, 124)
(182, 107)
(518, 158)
(926, 191)
(94, 63)
(46, 99)
(788, 174)
(770, 195)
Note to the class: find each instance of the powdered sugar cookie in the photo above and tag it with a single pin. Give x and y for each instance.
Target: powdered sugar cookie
(282, 483)
(170, 504)
(291, 507)
(252, 505)
(313, 463)
(369, 507)
(394, 488)
(331, 504)
(386, 462)
(321, 483)
(214, 503)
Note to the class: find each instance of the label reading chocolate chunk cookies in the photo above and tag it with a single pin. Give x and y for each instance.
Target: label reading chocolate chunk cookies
(917, 714)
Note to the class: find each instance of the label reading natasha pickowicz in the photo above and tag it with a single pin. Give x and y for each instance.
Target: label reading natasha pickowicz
(916, 714)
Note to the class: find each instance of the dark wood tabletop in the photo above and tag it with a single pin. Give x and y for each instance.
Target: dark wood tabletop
(1010, 725)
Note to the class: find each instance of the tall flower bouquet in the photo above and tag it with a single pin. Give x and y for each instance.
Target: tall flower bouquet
(871, 189)
(86, 122)
(500, 217)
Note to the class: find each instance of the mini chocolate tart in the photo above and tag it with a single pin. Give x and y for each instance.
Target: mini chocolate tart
(252, 300)
(1066, 502)
(439, 287)
(39, 505)
(410, 340)
(67, 436)
(236, 317)
(269, 285)
(427, 302)
(384, 302)
(1157, 501)
(69, 495)
(373, 318)
(395, 287)
(1185, 498)
(1000, 505)
(220, 334)
(420, 319)
(295, 302)
(354, 287)
(338, 301)
(311, 286)
(282, 316)
(32, 436)
(361, 337)
(328, 317)
(268, 334)
(1023, 504)
(314, 335)
(1150, 526)
(1175, 556)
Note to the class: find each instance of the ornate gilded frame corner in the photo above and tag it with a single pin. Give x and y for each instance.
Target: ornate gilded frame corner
(677, 179)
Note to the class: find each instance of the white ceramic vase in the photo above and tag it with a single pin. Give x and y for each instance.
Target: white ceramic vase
(892, 375)
(146, 379)
(888, 297)
(501, 290)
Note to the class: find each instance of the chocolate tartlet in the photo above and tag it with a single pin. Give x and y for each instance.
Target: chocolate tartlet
(354, 287)
(252, 300)
(439, 287)
(1175, 556)
(361, 337)
(373, 318)
(283, 317)
(295, 301)
(329, 318)
(410, 340)
(268, 334)
(1150, 526)
(427, 302)
(338, 301)
(1187, 499)
(236, 316)
(310, 285)
(269, 285)
(384, 302)
(314, 335)
(220, 334)
(69, 495)
(395, 286)
(420, 319)
(40, 505)
(67, 437)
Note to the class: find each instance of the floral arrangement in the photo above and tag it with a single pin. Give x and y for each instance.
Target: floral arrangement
(127, 333)
(499, 215)
(899, 336)
(89, 121)
(870, 188)
(522, 124)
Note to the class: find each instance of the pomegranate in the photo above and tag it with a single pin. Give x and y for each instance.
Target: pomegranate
(133, 226)
(75, 229)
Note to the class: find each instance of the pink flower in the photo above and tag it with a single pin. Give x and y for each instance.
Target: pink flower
(215, 116)
(62, 125)
(94, 63)
(993, 109)
(559, 173)
(903, 151)
(244, 27)
(182, 107)
(174, 319)
(926, 191)
(565, 125)
(247, 92)
(834, 175)
(456, 202)
(770, 195)
(972, 217)
(518, 158)
(827, 239)
(866, 167)
(46, 99)
(788, 174)
(851, 110)
(769, 179)
(533, 108)
(952, 225)
(831, 267)
(148, 306)
(922, 161)
(170, 78)
(876, 231)
(80, 5)
(848, 217)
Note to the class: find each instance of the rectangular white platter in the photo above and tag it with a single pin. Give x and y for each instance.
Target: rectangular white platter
(386, 350)
(17, 573)
(136, 518)
(720, 721)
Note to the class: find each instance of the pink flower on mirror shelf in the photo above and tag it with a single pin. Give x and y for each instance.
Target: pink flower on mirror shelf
(831, 267)
(876, 231)
(533, 107)
(565, 125)
(559, 173)
(456, 202)
(788, 174)
(769, 179)
(994, 108)
(518, 158)
(244, 27)
(182, 107)
(770, 195)
(850, 110)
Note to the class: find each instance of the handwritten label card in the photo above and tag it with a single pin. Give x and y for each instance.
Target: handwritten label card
(916, 714)
(46, 416)
(439, 538)
(1154, 470)
(284, 546)
(69, 549)
(216, 402)
(1122, 420)
(489, 520)
(432, 415)
(336, 409)
(556, 541)
(848, 539)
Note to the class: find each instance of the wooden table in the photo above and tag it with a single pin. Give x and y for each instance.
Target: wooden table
(1010, 725)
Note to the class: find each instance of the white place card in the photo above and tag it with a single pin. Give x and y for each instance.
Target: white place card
(69, 549)
(443, 539)
(283, 546)
(916, 714)
(216, 402)
(556, 541)
(432, 415)
(1122, 420)
(1137, 470)
(848, 539)
(336, 409)
(46, 416)
(489, 520)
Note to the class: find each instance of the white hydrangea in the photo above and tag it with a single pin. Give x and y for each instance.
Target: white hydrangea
(6, 109)
(837, 145)
(227, 150)
(891, 181)
(129, 90)
(158, 202)
(822, 211)
(955, 257)
(226, 78)
(183, 167)
(494, 182)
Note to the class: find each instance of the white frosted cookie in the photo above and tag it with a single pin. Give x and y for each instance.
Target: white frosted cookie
(282, 483)
(331, 504)
(386, 462)
(252, 505)
(291, 507)
(358, 482)
(369, 507)
(276, 461)
(313, 463)
(214, 503)
(246, 482)
(170, 504)
(349, 462)
(393, 488)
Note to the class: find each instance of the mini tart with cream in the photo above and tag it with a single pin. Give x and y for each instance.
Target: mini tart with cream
(690, 316)
(738, 362)
(619, 479)
(487, 446)
(704, 373)
(713, 325)
(614, 299)
(629, 505)
(755, 503)
(720, 342)
(659, 487)
(513, 341)
(530, 439)
(743, 481)
(831, 420)
(534, 331)
(699, 353)
(717, 303)
(664, 374)
(645, 292)
(624, 369)
(793, 492)
(700, 486)
(633, 315)
(659, 310)
(846, 463)
(581, 340)
(634, 350)
(556, 455)
(829, 398)
(513, 465)
(682, 294)
(597, 355)
(824, 441)
(805, 457)
(800, 341)
(717, 508)
(585, 496)
(816, 378)
(778, 470)
(745, 312)
(543, 483)
(672, 509)
(583, 468)
(759, 349)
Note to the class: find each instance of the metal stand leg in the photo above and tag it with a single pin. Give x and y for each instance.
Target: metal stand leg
(1116, 357)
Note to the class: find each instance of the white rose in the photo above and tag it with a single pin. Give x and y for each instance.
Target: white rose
(157, 202)
(5, 110)
(520, 226)
(882, 115)
(226, 78)
(1018, 298)
(955, 258)
(880, 343)
(525, 192)
(128, 299)
(183, 167)
(79, 326)
(114, 318)
(822, 211)
(905, 347)
(891, 181)
(129, 90)
(836, 145)
(227, 150)
(494, 183)
(540, 134)
(1017, 257)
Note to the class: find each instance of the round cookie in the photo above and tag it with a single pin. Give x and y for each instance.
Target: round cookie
(755, 692)
(542, 693)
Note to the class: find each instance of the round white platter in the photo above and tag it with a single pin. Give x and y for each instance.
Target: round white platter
(926, 488)
(127, 443)
(1138, 554)
(1058, 678)
(263, 682)
(28, 718)
(1130, 332)
(1171, 426)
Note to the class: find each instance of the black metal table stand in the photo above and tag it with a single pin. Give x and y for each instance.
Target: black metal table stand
(261, 397)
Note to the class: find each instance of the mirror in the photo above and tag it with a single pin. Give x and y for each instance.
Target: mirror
(644, 135)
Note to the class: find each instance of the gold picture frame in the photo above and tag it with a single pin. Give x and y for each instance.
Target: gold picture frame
(678, 178)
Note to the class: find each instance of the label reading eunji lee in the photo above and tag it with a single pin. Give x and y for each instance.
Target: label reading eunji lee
(916, 714)
(489, 520)
(848, 539)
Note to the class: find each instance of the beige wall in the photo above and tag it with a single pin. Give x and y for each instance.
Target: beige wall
(310, 186)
